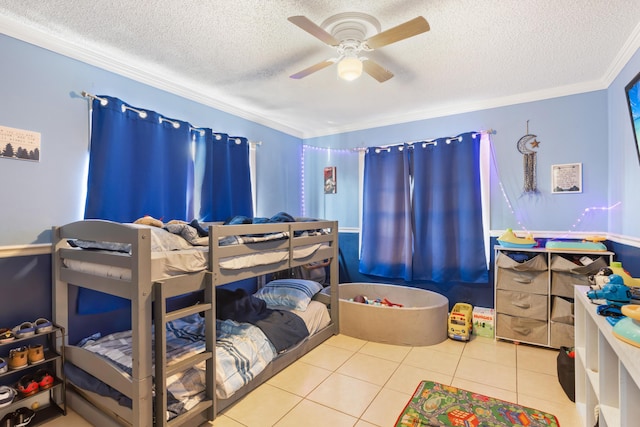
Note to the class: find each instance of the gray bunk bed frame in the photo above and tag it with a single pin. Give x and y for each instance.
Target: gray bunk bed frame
(142, 291)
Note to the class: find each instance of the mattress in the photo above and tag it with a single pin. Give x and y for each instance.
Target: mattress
(167, 264)
(238, 345)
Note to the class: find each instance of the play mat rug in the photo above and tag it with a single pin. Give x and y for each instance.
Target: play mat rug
(435, 404)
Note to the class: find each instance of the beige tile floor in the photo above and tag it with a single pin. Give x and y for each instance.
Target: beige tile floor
(351, 382)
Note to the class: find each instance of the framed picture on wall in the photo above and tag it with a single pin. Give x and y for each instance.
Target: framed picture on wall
(19, 144)
(566, 178)
(330, 180)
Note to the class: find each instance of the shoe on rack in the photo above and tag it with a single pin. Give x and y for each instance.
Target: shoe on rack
(19, 418)
(6, 335)
(43, 325)
(35, 354)
(27, 385)
(7, 420)
(18, 358)
(7, 394)
(44, 379)
(25, 329)
(3, 366)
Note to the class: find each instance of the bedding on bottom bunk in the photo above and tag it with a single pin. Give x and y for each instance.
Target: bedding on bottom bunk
(242, 352)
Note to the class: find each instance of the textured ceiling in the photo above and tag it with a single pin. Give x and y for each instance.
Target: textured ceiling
(237, 55)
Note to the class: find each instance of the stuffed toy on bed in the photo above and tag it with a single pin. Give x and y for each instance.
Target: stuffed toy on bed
(149, 220)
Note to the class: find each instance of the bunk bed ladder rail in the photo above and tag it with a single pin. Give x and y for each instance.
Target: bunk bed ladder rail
(203, 411)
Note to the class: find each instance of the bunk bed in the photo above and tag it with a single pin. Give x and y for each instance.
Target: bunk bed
(139, 278)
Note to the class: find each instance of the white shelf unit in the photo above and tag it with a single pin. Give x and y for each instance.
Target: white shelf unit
(526, 293)
(607, 369)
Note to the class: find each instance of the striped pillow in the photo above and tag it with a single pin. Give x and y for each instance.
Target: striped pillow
(291, 293)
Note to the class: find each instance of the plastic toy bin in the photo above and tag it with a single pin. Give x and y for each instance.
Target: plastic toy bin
(526, 276)
(565, 274)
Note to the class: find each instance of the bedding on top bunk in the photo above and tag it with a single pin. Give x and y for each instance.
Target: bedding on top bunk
(180, 248)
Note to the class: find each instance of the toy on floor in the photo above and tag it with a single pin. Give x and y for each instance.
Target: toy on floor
(379, 302)
(459, 325)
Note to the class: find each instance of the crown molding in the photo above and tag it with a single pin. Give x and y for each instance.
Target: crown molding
(135, 70)
(630, 47)
(433, 113)
(145, 73)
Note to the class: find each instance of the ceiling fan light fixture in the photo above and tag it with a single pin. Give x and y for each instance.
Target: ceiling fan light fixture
(349, 68)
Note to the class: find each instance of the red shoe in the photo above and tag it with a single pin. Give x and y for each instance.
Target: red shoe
(44, 379)
(27, 385)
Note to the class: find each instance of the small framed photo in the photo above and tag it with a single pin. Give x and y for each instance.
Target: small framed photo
(566, 178)
(330, 180)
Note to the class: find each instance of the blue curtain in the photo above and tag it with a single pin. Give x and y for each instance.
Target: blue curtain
(422, 215)
(140, 164)
(226, 182)
(386, 226)
(448, 234)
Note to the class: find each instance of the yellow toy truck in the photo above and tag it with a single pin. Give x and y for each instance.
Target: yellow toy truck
(460, 323)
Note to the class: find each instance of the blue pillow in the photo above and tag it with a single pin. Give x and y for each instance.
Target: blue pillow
(291, 293)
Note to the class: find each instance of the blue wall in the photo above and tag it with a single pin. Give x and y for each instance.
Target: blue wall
(571, 129)
(40, 92)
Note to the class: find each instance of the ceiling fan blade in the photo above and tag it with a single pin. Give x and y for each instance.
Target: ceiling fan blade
(313, 29)
(319, 66)
(411, 28)
(376, 71)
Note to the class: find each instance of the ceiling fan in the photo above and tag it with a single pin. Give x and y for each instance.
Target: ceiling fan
(348, 33)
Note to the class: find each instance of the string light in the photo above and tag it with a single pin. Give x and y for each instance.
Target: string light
(504, 192)
(592, 209)
(574, 226)
(519, 223)
(302, 177)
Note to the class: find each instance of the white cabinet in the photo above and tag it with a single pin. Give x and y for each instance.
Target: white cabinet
(607, 369)
(534, 292)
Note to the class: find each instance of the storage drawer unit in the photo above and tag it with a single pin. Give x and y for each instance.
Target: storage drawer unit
(534, 290)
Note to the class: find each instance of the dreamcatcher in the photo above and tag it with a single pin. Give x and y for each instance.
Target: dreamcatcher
(529, 160)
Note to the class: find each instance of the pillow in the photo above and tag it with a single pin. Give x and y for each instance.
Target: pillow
(291, 293)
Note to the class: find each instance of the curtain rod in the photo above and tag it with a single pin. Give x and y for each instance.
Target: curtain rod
(143, 114)
(426, 141)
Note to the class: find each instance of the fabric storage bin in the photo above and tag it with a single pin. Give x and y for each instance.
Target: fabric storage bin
(521, 329)
(565, 274)
(562, 310)
(523, 304)
(561, 335)
(528, 276)
(566, 366)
